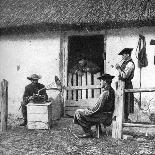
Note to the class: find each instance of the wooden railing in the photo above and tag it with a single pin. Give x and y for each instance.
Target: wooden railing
(3, 105)
(118, 118)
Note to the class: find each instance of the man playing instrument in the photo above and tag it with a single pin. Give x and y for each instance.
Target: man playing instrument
(34, 92)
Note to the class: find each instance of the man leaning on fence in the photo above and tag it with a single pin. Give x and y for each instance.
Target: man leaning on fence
(102, 111)
(31, 95)
(126, 73)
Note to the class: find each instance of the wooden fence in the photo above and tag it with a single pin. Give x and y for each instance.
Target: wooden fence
(3, 105)
(82, 91)
(118, 123)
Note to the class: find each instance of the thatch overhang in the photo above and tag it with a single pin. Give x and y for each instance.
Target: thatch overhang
(63, 15)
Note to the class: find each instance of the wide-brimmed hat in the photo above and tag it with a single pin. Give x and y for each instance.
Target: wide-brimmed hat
(106, 77)
(34, 77)
(126, 51)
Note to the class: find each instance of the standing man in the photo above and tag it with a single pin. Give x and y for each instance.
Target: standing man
(29, 95)
(126, 74)
(102, 110)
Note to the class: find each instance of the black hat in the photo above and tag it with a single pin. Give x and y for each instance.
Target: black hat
(34, 77)
(106, 77)
(126, 51)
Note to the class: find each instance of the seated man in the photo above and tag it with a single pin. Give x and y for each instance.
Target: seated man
(31, 94)
(103, 109)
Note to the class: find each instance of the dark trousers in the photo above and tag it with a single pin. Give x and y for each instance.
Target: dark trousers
(129, 100)
(24, 112)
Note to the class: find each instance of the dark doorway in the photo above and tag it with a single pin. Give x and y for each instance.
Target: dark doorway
(90, 47)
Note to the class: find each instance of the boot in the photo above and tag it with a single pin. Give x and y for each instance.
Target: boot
(24, 113)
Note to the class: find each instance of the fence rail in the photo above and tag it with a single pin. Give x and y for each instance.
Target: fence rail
(118, 123)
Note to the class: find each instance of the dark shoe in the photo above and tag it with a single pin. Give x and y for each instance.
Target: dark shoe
(23, 124)
(86, 135)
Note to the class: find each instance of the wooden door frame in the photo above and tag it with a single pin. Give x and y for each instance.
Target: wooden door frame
(63, 68)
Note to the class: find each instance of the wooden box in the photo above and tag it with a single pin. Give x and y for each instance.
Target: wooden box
(39, 116)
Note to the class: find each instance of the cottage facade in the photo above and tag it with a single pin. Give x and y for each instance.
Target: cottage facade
(50, 41)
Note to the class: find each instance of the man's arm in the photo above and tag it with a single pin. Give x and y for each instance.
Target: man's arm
(127, 71)
(100, 103)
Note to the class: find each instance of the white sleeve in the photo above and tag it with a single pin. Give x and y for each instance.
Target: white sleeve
(127, 71)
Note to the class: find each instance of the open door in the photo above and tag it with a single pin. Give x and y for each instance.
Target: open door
(82, 88)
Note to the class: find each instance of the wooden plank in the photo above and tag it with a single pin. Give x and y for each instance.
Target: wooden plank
(96, 82)
(74, 84)
(88, 84)
(4, 105)
(35, 109)
(64, 44)
(83, 87)
(136, 90)
(138, 125)
(84, 84)
(82, 102)
(38, 125)
(119, 111)
(69, 84)
(37, 117)
(79, 84)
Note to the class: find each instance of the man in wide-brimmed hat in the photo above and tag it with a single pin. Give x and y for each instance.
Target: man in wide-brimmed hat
(102, 111)
(126, 74)
(30, 91)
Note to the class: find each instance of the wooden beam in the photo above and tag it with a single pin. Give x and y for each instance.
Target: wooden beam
(136, 90)
(4, 105)
(119, 111)
(83, 87)
(138, 125)
(64, 47)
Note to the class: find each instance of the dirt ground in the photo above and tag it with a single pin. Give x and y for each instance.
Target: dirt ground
(62, 139)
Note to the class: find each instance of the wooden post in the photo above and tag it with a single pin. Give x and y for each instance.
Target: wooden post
(119, 111)
(4, 105)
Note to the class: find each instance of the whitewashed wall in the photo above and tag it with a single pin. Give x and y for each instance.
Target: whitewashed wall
(122, 38)
(21, 56)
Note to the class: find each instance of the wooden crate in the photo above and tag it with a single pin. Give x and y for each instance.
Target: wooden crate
(39, 116)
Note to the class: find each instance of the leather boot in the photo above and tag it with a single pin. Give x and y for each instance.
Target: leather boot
(24, 113)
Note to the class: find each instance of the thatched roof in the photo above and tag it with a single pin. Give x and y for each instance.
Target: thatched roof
(77, 13)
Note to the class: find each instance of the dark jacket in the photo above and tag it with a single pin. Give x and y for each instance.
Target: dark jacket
(32, 89)
(129, 97)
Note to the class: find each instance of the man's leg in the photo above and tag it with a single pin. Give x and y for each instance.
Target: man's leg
(87, 132)
(24, 113)
(79, 118)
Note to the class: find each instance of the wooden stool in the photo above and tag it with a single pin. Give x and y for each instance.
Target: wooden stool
(98, 130)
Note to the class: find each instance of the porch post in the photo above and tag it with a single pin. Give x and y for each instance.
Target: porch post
(119, 111)
(3, 105)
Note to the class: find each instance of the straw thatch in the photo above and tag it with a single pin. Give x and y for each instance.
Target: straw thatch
(77, 14)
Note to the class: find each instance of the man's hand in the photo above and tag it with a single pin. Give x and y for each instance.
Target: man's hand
(117, 66)
(30, 98)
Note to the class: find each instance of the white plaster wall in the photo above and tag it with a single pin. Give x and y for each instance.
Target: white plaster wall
(122, 38)
(36, 53)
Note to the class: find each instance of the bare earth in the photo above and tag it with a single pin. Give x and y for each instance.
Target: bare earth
(62, 140)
